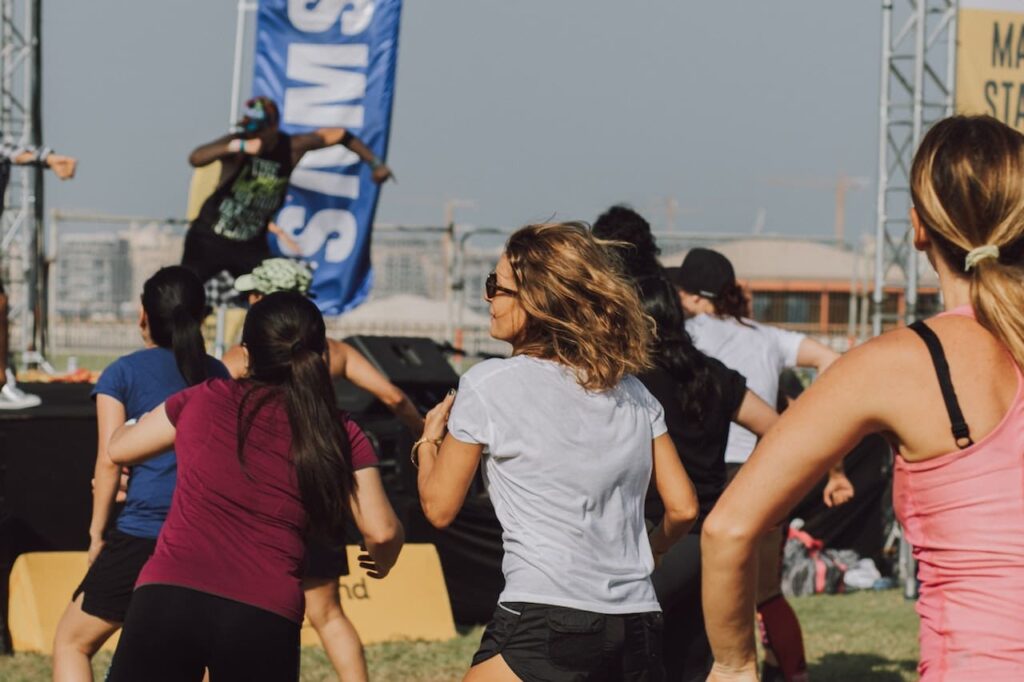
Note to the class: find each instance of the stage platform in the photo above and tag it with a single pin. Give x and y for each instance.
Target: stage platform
(47, 455)
(59, 400)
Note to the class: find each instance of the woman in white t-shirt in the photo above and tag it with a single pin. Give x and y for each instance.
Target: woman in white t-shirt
(718, 313)
(572, 441)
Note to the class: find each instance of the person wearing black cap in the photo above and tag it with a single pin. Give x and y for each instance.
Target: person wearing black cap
(256, 163)
(718, 320)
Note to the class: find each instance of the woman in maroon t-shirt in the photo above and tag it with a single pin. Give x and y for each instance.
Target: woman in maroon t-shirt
(260, 462)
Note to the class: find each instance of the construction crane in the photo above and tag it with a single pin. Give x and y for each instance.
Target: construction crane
(841, 185)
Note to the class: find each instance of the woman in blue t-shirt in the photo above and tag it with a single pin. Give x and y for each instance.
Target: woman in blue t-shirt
(173, 307)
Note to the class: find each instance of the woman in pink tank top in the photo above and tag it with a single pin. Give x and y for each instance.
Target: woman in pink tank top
(949, 394)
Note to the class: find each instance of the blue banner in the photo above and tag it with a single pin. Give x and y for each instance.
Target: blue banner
(331, 64)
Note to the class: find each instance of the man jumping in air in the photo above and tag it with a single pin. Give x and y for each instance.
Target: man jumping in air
(230, 232)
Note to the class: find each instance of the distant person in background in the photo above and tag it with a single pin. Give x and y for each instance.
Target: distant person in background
(325, 563)
(719, 321)
(12, 397)
(637, 249)
(702, 398)
(948, 394)
(573, 441)
(173, 306)
(262, 463)
(230, 232)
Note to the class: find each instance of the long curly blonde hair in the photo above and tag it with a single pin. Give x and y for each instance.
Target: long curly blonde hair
(581, 311)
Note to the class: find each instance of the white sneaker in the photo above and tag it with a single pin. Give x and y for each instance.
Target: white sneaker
(13, 398)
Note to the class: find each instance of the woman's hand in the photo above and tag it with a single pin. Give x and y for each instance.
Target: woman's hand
(435, 424)
(370, 565)
(838, 490)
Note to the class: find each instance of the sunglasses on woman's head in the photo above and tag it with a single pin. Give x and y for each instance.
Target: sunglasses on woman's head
(491, 287)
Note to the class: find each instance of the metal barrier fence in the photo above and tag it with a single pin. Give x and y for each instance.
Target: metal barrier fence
(99, 262)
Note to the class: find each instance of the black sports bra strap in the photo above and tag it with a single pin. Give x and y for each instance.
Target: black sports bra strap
(961, 432)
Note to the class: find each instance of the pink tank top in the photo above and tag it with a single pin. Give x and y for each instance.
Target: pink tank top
(963, 512)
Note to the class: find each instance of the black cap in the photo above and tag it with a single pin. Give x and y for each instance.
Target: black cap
(703, 272)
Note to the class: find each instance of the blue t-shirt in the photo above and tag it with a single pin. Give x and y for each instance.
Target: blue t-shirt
(140, 381)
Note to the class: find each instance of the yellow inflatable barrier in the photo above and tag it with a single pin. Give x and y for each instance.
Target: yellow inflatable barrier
(411, 603)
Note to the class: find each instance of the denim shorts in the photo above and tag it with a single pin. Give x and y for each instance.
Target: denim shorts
(542, 643)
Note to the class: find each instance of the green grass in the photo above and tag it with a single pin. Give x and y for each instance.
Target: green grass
(859, 636)
(87, 361)
(862, 636)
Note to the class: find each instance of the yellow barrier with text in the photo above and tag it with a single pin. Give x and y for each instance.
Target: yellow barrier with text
(411, 603)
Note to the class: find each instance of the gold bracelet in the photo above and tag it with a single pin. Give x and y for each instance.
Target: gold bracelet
(413, 454)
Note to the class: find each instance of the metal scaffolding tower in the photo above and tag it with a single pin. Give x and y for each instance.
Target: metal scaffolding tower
(917, 89)
(917, 86)
(21, 236)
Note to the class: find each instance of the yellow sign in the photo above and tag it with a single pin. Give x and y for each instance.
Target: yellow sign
(990, 60)
(411, 603)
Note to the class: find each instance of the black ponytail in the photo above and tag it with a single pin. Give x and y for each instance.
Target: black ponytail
(674, 351)
(286, 339)
(175, 304)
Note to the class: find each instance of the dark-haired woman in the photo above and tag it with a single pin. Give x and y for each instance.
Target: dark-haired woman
(173, 306)
(718, 312)
(261, 462)
(701, 398)
(573, 441)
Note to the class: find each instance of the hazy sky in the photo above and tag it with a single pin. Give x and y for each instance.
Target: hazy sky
(529, 108)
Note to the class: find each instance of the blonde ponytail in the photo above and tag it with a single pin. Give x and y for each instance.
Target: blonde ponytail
(967, 185)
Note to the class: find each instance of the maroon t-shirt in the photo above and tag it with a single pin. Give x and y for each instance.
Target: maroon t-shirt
(233, 533)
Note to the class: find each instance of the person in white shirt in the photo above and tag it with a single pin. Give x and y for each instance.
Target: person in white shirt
(570, 441)
(718, 320)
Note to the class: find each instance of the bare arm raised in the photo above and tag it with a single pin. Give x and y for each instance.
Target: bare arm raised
(326, 137)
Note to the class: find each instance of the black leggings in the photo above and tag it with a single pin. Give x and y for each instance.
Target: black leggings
(172, 633)
(687, 654)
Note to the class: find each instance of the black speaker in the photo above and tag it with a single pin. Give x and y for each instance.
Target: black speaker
(414, 364)
(418, 367)
(47, 456)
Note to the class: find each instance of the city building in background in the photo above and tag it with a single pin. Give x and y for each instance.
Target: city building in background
(93, 277)
(98, 273)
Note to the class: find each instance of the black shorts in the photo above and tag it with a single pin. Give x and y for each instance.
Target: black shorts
(206, 254)
(325, 560)
(109, 582)
(542, 643)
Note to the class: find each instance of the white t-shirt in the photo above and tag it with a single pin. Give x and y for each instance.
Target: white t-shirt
(758, 352)
(567, 470)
